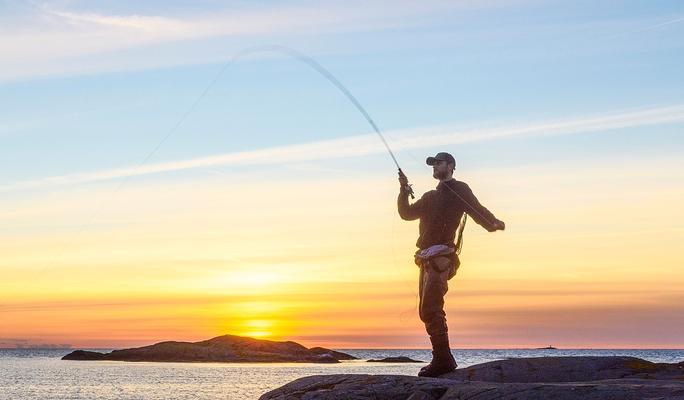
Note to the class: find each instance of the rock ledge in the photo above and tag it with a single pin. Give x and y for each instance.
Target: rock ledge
(558, 378)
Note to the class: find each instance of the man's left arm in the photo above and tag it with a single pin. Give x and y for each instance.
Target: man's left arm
(478, 212)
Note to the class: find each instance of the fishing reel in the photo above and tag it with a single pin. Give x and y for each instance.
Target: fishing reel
(409, 190)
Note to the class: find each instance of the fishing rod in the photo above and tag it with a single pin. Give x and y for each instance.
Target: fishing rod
(315, 65)
(332, 79)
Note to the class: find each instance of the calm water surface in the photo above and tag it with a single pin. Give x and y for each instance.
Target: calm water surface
(40, 374)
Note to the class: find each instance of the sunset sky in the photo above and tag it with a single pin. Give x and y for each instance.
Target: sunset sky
(131, 213)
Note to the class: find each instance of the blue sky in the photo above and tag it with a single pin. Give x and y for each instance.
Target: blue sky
(93, 87)
(127, 72)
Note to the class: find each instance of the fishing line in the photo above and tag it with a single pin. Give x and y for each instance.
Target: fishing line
(243, 53)
(294, 54)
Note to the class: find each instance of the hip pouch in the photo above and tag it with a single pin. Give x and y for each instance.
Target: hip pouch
(448, 261)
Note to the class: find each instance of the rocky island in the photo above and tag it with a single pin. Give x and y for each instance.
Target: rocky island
(558, 378)
(400, 359)
(227, 348)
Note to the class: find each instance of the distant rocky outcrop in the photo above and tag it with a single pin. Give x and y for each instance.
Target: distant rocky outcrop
(540, 378)
(227, 348)
(336, 354)
(400, 359)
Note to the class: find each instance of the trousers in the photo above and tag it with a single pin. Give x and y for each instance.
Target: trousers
(432, 287)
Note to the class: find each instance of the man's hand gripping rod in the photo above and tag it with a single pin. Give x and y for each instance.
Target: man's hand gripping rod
(404, 184)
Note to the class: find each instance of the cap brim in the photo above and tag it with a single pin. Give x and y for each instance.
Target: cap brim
(430, 161)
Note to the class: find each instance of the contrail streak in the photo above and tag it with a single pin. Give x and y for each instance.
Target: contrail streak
(368, 144)
(647, 28)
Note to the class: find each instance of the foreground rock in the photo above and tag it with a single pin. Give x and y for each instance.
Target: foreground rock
(226, 348)
(558, 378)
(568, 369)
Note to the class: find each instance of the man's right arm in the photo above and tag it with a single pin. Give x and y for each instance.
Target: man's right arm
(408, 212)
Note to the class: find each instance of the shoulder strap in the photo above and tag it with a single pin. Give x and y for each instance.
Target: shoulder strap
(459, 234)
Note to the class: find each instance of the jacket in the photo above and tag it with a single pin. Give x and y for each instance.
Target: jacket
(441, 210)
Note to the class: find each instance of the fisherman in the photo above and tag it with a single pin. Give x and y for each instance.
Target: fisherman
(440, 211)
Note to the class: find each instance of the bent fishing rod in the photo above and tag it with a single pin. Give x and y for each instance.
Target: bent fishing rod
(323, 72)
(316, 66)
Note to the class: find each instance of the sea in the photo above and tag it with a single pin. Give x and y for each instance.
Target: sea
(41, 374)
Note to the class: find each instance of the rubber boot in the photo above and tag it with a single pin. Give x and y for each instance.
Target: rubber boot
(442, 359)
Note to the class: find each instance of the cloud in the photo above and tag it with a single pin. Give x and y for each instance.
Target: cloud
(62, 35)
(133, 22)
(369, 144)
(46, 41)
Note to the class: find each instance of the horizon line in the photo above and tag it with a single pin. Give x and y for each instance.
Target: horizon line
(386, 348)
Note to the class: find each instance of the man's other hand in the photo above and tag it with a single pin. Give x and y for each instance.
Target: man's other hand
(499, 225)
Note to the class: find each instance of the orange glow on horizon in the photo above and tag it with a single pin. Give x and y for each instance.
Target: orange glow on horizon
(342, 276)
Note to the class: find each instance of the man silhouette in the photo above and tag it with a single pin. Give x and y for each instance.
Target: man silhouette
(440, 212)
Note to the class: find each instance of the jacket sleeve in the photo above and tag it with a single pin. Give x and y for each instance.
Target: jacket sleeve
(409, 212)
(476, 210)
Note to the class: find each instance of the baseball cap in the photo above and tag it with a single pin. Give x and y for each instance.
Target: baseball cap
(441, 157)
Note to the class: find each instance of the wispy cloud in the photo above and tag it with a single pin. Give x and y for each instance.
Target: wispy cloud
(47, 41)
(61, 35)
(369, 144)
(137, 22)
(660, 25)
